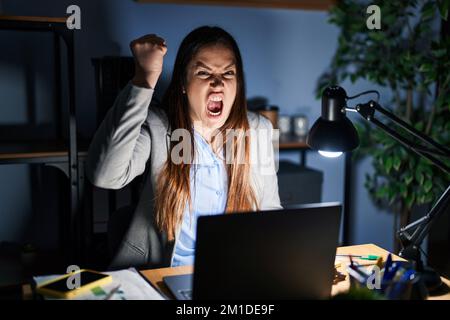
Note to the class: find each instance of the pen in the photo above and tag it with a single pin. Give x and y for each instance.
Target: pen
(356, 273)
(111, 293)
(379, 263)
(389, 275)
(401, 288)
(362, 257)
(389, 271)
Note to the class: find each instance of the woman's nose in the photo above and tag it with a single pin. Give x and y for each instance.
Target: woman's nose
(216, 81)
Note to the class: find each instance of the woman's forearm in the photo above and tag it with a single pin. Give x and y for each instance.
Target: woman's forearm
(121, 145)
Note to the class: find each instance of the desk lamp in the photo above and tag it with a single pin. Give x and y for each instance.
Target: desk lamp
(333, 133)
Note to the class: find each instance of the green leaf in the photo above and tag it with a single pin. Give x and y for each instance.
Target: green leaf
(426, 67)
(377, 36)
(419, 125)
(428, 10)
(382, 192)
(419, 177)
(421, 199)
(397, 162)
(427, 186)
(403, 190)
(443, 6)
(408, 178)
(389, 19)
(388, 164)
(427, 169)
(410, 200)
(439, 53)
(440, 101)
(429, 197)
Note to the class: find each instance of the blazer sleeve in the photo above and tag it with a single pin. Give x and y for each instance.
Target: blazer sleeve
(121, 146)
(270, 199)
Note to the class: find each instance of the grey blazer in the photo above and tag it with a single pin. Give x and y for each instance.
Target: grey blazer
(135, 134)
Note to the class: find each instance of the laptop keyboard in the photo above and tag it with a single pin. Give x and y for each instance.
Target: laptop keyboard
(187, 294)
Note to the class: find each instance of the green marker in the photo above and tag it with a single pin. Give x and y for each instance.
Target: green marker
(364, 257)
(98, 291)
(369, 257)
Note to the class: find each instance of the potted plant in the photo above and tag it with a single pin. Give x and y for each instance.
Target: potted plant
(410, 57)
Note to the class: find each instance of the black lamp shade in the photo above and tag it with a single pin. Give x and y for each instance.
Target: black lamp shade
(333, 131)
(333, 136)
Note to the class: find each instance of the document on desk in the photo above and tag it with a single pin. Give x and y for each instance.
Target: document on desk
(131, 286)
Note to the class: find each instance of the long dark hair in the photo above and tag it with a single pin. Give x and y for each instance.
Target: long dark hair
(173, 192)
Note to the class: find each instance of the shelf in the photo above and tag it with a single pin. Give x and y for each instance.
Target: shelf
(292, 142)
(34, 23)
(56, 151)
(63, 156)
(34, 19)
(37, 152)
(285, 4)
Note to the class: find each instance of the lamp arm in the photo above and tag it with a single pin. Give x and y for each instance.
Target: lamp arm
(367, 111)
(409, 145)
(428, 150)
(421, 226)
(410, 128)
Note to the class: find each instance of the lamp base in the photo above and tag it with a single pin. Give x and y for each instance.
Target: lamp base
(431, 279)
(429, 276)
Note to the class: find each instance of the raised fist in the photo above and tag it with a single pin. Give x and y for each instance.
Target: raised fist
(148, 52)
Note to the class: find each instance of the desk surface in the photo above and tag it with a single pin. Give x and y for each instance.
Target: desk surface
(155, 276)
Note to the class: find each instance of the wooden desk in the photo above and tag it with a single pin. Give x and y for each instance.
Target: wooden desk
(155, 276)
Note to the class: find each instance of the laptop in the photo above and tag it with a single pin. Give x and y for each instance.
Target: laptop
(276, 254)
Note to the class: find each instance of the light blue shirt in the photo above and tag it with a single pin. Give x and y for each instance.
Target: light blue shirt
(209, 185)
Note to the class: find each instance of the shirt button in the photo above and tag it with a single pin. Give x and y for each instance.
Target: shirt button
(218, 193)
(215, 163)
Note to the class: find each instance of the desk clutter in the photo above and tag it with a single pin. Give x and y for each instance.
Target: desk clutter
(372, 278)
(125, 284)
(362, 272)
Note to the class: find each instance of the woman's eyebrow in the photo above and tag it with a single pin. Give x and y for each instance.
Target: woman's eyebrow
(201, 64)
(230, 65)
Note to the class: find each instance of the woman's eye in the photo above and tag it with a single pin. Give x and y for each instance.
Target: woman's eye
(203, 74)
(229, 74)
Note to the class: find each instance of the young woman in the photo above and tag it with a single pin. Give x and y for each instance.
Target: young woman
(202, 159)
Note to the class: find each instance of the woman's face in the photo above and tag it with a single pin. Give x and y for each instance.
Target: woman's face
(211, 86)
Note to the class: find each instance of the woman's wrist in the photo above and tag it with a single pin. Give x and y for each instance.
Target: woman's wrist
(147, 81)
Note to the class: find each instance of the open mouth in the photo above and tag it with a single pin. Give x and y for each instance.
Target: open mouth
(214, 104)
